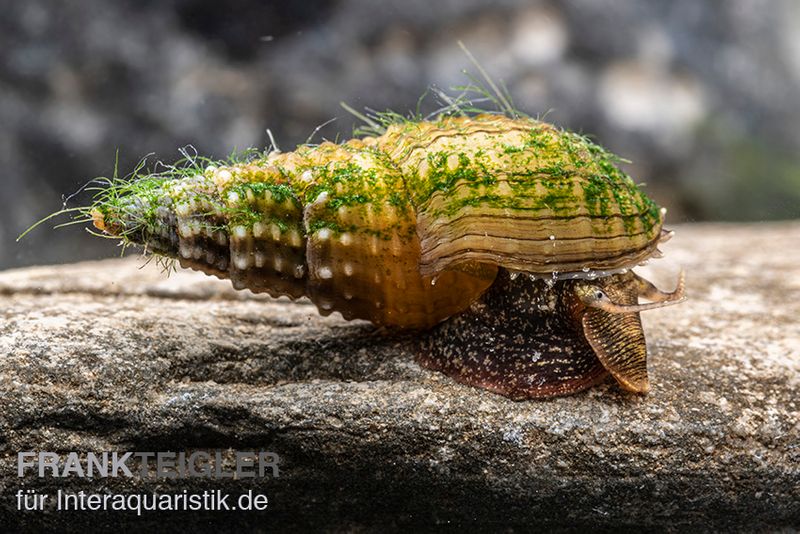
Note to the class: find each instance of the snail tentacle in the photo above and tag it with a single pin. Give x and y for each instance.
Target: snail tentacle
(650, 292)
(595, 297)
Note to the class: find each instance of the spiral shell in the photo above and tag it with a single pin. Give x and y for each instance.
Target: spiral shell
(404, 229)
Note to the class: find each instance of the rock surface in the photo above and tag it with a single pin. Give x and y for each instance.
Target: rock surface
(108, 356)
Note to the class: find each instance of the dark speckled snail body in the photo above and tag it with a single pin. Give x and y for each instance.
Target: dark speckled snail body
(508, 240)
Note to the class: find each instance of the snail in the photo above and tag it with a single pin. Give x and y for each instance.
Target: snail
(506, 241)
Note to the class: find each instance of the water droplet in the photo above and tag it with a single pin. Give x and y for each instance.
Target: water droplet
(552, 237)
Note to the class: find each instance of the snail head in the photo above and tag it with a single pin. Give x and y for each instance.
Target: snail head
(594, 295)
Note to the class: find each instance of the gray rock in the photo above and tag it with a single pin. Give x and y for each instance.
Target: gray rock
(106, 356)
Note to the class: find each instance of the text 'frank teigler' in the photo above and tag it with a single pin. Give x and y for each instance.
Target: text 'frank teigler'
(220, 464)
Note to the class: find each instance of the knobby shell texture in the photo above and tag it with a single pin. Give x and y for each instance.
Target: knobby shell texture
(403, 229)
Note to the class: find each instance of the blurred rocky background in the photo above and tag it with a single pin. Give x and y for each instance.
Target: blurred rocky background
(702, 96)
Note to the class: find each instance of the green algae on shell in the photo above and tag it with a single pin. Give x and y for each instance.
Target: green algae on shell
(379, 227)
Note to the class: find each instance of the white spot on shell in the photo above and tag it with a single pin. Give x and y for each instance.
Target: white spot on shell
(346, 239)
(185, 250)
(233, 197)
(348, 269)
(326, 304)
(222, 239)
(373, 244)
(306, 176)
(294, 238)
(240, 261)
(222, 177)
(299, 271)
(321, 198)
(324, 234)
(258, 229)
(239, 232)
(348, 295)
(452, 162)
(276, 231)
(260, 259)
(552, 237)
(278, 263)
(182, 209)
(325, 273)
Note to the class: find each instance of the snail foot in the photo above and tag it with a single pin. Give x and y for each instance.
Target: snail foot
(521, 339)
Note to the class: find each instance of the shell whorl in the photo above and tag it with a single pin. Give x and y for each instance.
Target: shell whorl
(522, 195)
(404, 229)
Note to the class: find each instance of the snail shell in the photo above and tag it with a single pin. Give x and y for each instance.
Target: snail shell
(405, 229)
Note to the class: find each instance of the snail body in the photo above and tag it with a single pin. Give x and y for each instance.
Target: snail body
(414, 227)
